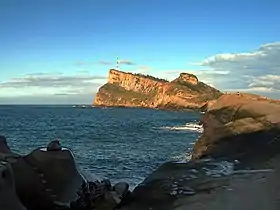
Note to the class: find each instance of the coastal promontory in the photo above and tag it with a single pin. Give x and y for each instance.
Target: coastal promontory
(137, 90)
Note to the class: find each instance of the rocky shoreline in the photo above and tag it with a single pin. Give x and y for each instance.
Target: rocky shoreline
(234, 166)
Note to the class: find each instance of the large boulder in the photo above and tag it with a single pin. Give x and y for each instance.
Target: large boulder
(47, 178)
(240, 127)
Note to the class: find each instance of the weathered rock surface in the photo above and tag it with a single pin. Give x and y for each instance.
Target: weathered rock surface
(239, 125)
(136, 90)
(208, 185)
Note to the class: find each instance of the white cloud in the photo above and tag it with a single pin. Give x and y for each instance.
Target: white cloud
(102, 62)
(267, 81)
(255, 71)
(264, 60)
(51, 84)
(127, 62)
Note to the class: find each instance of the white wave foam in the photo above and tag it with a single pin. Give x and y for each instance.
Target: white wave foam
(187, 127)
(222, 168)
(183, 158)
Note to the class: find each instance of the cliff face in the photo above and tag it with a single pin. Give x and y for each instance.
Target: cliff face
(135, 90)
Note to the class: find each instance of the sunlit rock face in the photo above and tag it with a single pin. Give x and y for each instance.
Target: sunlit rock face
(136, 90)
(235, 123)
(188, 78)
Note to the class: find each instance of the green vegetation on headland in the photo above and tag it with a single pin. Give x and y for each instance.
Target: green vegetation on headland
(151, 77)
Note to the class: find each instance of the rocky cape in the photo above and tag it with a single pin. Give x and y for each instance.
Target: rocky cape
(235, 165)
(137, 90)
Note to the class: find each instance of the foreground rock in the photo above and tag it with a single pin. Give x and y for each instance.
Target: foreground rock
(8, 197)
(136, 90)
(208, 185)
(47, 179)
(235, 163)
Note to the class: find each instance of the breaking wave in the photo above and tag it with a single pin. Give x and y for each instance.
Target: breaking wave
(189, 127)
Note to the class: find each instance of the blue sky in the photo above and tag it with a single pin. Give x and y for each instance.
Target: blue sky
(60, 51)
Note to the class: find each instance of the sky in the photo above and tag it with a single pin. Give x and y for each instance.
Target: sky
(60, 51)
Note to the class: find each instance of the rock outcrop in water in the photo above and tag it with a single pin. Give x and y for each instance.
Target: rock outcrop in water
(136, 90)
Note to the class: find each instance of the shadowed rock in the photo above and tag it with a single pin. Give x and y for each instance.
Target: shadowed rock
(208, 185)
(4, 148)
(100, 196)
(45, 179)
(8, 197)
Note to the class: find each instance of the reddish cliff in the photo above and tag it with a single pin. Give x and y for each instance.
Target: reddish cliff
(136, 90)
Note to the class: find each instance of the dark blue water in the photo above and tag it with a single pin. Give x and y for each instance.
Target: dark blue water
(119, 144)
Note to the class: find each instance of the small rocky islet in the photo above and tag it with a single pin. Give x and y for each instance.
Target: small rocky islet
(235, 165)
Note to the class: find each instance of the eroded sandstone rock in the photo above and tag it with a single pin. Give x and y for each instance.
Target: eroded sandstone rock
(238, 125)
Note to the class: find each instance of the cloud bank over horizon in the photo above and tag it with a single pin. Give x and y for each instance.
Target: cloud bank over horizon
(257, 71)
(52, 88)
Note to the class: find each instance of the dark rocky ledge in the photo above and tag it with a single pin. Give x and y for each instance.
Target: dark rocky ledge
(235, 165)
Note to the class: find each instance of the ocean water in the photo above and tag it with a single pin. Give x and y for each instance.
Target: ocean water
(122, 144)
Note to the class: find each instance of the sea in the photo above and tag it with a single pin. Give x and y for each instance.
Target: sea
(120, 144)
